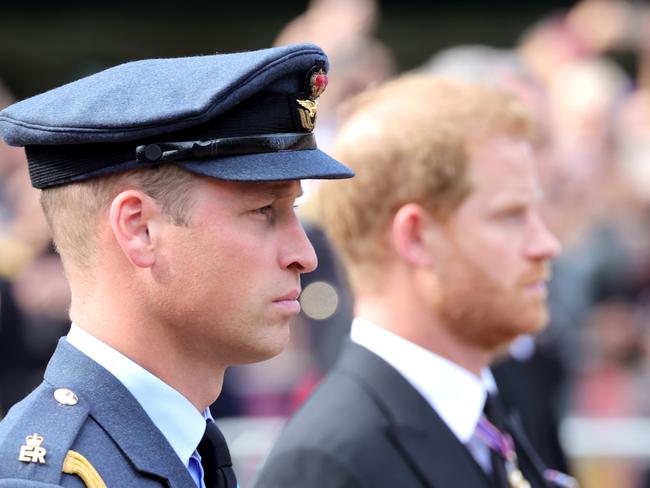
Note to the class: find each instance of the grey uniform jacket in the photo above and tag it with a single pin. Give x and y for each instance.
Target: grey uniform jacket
(367, 427)
(105, 436)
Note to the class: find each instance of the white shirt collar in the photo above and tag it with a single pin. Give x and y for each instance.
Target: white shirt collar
(457, 395)
(174, 415)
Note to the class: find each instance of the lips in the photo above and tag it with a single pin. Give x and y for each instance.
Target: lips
(534, 282)
(537, 277)
(291, 296)
(288, 303)
(537, 286)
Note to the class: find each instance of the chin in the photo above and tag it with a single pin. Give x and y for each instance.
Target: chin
(498, 338)
(264, 349)
(536, 322)
(256, 356)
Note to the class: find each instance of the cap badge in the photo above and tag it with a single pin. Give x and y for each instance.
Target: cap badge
(307, 111)
(316, 84)
(32, 452)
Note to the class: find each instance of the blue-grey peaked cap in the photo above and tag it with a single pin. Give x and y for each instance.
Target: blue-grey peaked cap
(242, 117)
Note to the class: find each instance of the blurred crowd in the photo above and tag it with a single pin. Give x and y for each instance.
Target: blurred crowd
(585, 73)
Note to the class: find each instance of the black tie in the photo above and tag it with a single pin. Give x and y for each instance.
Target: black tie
(215, 459)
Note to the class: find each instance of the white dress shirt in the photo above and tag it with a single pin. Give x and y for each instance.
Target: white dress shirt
(457, 395)
(173, 414)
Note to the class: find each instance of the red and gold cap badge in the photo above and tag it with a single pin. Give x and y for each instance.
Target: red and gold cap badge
(316, 82)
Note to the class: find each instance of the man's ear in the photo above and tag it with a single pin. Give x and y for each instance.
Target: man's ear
(412, 231)
(131, 215)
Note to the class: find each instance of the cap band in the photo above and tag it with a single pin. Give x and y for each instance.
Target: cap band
(52, 165)
(174, 151)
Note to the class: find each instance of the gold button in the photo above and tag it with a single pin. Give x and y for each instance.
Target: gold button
(65, 397)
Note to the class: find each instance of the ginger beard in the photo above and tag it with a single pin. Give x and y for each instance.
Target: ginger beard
(483, 309)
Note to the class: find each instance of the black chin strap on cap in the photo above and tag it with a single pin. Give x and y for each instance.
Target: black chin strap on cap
(175, 151)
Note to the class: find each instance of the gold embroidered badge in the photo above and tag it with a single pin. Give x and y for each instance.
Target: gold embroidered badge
(307, 113)
(33, 452)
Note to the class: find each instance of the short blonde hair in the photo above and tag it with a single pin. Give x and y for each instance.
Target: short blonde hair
(72, 210)
(408, 141)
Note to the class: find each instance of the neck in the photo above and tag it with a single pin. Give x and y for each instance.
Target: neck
(412, 321)
(152, 347)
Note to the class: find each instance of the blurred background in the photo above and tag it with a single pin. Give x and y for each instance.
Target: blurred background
(582, 67)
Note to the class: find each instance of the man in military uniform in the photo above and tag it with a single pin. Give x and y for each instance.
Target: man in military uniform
(448, 259)
(169, 185)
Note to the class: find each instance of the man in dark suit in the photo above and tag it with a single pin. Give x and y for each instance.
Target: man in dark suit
(448, 259)
(169, 185)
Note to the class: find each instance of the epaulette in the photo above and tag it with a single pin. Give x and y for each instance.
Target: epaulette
(36, 439)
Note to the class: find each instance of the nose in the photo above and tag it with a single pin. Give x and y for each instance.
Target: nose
(542, 243)
(298, 253)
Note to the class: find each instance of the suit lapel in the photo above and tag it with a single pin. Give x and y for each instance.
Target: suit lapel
(427, 444)
(118, 413)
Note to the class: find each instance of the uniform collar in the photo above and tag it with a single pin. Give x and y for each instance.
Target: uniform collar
(173, 414)
(457, 395)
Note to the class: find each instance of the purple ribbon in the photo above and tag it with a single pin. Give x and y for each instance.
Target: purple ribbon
(561, 479)
(503, 445)
(496, 440)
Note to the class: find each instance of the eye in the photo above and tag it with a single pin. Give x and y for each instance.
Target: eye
(266, 210)
(512, 215)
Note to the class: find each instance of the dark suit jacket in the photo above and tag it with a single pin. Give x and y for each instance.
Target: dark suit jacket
(366, 426)
(107, 426)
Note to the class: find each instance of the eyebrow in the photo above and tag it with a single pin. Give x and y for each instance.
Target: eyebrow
(276, 190)
(523, 199)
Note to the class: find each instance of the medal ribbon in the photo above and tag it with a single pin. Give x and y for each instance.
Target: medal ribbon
(504, 446)
(496, 440)
(562, 480)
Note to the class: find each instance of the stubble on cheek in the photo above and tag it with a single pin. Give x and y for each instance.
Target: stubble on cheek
(484, 312)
